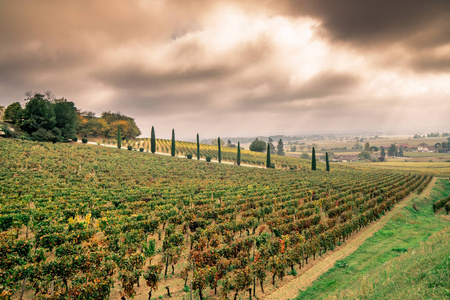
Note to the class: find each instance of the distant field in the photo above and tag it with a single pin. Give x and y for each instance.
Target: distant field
(381, 141)
(434, 168)
(425, 154)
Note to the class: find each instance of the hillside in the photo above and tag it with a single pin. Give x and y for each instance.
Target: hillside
(82, 220)
(229, 154)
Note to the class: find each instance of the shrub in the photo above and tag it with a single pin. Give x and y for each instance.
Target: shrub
(304, 155)
(129, 148)
(44, 135)
(84, 140)
(189, 156)
(341, 264)
(141, 149)
(8, 132)
(208, 159)
(75, 139)
(24, 137)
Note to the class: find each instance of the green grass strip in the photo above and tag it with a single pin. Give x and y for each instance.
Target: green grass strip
(395, 263)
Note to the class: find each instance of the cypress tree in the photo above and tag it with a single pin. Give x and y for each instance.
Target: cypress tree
(153, 141)
(327, 161)
(313, 160)
(220, 152)
(268, 156)
(172, 151)
(119, 138)
(198, 147)
(239, 154)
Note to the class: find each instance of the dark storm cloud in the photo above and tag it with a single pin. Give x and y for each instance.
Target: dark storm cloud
(417, 25)
(377, 21)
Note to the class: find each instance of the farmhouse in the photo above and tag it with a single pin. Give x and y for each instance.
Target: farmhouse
(423, 147)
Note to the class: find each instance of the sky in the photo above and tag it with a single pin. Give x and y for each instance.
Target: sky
(235, 68)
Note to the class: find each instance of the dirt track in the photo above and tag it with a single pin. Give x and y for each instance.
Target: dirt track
(312, 271)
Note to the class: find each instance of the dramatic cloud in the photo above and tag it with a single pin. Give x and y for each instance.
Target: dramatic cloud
(235, 68)
(419, 27)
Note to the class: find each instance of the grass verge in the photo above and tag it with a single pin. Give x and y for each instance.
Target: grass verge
(392, 264)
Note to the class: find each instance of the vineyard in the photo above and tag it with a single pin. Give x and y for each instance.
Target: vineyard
(228, 154)
(79, 221)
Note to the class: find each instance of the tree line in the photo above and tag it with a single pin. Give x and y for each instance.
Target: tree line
(45, 118)
(219, 149)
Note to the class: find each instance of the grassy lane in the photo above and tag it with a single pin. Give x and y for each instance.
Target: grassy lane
(315, 269)
(371, 272)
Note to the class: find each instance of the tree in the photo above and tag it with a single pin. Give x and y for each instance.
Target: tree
(382, 154)
(130, 131)
(106, 125)
(313, 160)
(280, 148)
(172, 150)
(38, 113)
(39, 119)
(400, 152)
(365, 155)
(367, 146)
(94, 127)
(373, 149)
(357, 146)
(198, 147)
(268, 165)
(272, 147)
(238, 160)
(119, 138)
(13, 113)
(230, 144)
(327, 161)
(219, 150)
(392, 151)
(153, 141)
(258, 146)
(65, 117)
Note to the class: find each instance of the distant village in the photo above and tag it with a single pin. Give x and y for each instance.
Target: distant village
(422, 147)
